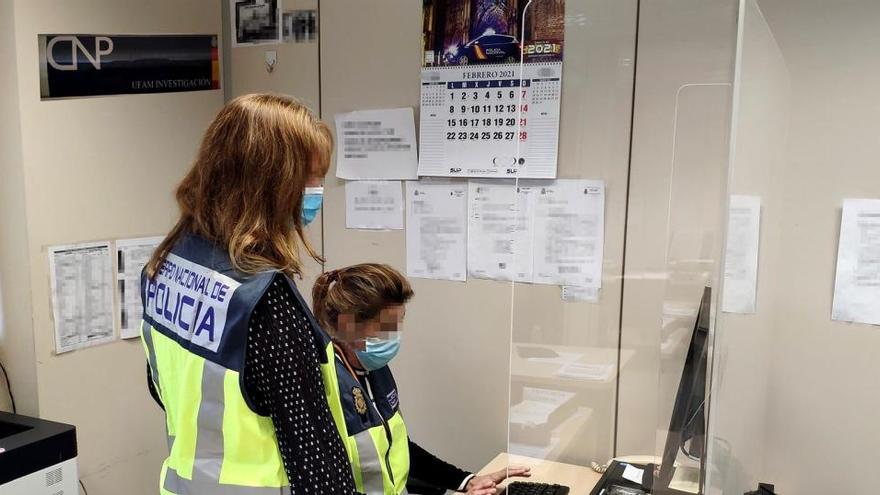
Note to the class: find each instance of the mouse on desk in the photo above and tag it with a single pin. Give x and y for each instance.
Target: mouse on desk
(536, 352)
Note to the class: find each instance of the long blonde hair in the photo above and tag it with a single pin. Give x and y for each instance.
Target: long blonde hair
(361, 291)
(245, 188)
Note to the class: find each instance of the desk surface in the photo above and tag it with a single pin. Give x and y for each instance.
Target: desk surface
(579, 479)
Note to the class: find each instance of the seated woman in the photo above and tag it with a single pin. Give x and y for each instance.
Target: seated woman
(362, 307)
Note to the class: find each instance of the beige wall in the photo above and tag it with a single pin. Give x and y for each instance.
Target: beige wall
(821, 421)
(103, 168)
(16, 338)
(738, 427)
(795, 399)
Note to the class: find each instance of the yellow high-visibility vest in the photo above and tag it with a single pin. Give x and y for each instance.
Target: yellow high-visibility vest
(367, 415)
(194, 331)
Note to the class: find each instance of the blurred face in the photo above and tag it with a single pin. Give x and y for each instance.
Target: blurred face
(355, 333)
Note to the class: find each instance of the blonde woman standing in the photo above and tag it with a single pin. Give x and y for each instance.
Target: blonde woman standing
(234, 355)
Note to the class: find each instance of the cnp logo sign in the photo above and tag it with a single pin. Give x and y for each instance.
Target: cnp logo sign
(74, 65)
(103, 46)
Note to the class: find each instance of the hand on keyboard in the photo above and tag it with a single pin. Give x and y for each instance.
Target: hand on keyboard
(485, 484)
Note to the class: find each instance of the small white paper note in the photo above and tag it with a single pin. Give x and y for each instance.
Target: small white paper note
(573, 293)
(633, 474)
(436, 230)
(131, 256)
(568, 233)
(857, 285)
(376, 144)
(81, 278)
(741, 256)
(500, 230)
(374, 205)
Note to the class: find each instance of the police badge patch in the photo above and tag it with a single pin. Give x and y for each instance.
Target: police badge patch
(360, 403)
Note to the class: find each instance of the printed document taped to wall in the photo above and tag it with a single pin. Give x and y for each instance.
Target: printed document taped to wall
(81, 279)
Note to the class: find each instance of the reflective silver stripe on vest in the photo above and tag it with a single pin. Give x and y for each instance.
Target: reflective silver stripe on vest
(209, 446)
(181, 486)
(154, 370)
(209, 439)
(371, 467)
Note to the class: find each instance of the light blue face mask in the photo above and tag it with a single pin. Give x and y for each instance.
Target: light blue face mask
(379, 352)
(311, 205)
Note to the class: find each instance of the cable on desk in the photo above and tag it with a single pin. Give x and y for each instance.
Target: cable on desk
(86, 492)
(8, 387)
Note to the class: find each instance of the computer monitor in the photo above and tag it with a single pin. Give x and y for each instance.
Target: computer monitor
(687, 428)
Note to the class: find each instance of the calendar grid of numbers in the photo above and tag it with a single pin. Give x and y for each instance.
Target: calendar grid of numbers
(490, 121)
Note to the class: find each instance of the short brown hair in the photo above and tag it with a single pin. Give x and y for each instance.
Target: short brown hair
(245, 189)
(359, 290)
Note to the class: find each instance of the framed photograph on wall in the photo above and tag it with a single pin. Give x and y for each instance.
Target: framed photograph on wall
(255, 22)
(300, 26)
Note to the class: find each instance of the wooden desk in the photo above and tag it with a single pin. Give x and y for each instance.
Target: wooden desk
(579, 479)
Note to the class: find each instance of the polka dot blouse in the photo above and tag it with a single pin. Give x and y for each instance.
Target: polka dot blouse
(283, 379)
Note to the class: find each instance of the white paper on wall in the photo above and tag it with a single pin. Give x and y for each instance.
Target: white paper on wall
(374, 205)
(568, 233)
(572, 293)
(81, 278)
(436, 230)
(500, 230)
(131, 256)
(741, 255)
(857, 284)
(376, 144)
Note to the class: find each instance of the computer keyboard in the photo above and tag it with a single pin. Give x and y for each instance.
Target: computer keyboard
(524, 488)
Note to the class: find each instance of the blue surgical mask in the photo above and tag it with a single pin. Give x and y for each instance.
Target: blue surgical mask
(379, 351)
(311, 205)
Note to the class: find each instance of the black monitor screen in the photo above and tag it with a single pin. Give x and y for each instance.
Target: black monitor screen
(687, 428)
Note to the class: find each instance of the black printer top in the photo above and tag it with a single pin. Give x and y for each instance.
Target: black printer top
(31, 444)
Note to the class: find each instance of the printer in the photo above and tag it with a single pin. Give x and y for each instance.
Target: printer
(37, 457)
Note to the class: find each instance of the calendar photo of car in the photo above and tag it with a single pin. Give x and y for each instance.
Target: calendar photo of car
(487, 47)
(468, 32)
